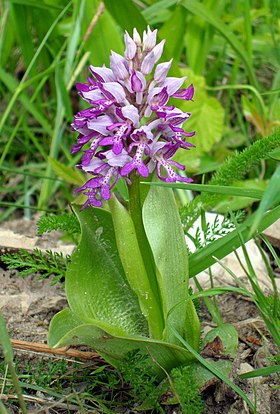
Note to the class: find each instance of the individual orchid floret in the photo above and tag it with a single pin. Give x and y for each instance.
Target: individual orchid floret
(131, 48)
(136, 37)
(161, 71)
(149, 39)
(186, 94)
(119, 66)
(151, 58)
(130, 127)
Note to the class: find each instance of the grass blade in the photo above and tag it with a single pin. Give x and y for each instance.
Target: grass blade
(28, 70)
(261, 372)
(8, 356)
(228, 190)
(74, 38)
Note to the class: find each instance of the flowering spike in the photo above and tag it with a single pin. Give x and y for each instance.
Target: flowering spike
(115, 138)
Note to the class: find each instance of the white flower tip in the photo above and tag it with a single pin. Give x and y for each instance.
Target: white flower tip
(136, 37)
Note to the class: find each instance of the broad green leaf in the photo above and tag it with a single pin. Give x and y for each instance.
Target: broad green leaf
(3, 409)
(228, 335)
(165, 234)
(67, 329)
(207, 119)
(202, 259)
(202, 375)
(126, 14)
(96, 286)
(63, 95)
(134, 267)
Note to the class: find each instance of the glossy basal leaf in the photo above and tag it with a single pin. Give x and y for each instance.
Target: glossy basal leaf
(66, 329)
(134, 267)
(96, 286)
(165, 234)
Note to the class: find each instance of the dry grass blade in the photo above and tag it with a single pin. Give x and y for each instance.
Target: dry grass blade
(42, 348)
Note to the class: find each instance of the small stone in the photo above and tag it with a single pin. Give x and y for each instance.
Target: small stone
(272, 233)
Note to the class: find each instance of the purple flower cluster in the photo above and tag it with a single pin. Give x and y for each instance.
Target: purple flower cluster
(129, 126)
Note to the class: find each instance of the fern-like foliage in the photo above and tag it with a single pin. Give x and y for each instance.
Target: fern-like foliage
(215, 230)
(187, 390)
(66, 223)
(233, 169)
(45, 263)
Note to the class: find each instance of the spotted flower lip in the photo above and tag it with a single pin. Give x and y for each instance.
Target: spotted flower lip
(130, 127)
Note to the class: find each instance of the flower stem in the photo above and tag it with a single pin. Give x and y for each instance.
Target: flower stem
(135, 209)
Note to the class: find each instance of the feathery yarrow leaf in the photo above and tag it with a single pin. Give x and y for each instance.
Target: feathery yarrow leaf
(46, 263)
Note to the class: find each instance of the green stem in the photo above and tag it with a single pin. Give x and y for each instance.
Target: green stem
(135, 210)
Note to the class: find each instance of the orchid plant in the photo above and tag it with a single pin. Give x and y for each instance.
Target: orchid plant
(127, 283)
